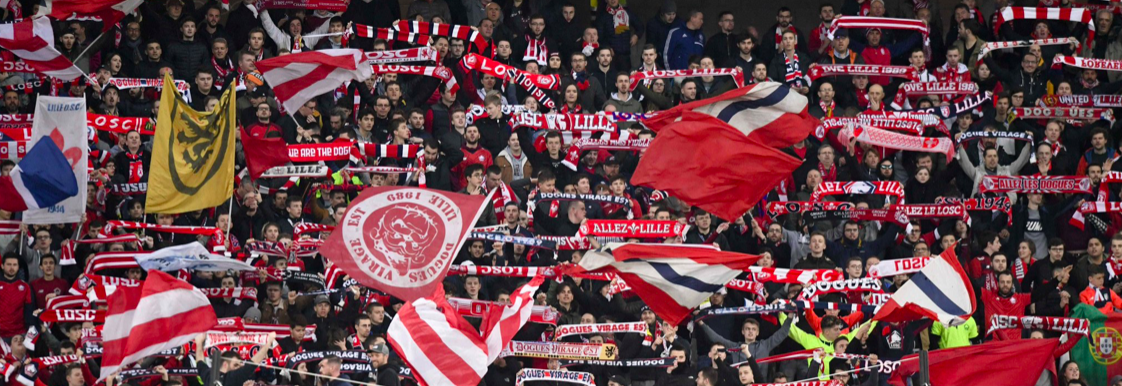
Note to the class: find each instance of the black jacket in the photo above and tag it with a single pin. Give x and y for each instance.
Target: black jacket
(186, 57)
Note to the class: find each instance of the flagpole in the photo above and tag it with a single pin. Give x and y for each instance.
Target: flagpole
(92, 44)
(924, 372)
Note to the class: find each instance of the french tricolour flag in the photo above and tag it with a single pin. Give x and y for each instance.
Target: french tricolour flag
(41, 179)
(671, 279)
(940, 291)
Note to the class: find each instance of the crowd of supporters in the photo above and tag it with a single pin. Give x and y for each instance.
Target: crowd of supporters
(1034, 263)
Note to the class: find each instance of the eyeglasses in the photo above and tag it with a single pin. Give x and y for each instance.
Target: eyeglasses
(885, 167)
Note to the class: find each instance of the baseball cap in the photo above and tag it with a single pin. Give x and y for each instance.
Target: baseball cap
(611, 160)
(841, 33)
(176, 2)
(322, 299)
(380, 349)
(870, 30)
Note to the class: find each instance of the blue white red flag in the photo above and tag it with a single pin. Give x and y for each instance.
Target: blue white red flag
(940, 291)
(671, 279)
(42, 179)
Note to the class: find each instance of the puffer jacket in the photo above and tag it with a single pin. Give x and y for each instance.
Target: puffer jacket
(185, 57)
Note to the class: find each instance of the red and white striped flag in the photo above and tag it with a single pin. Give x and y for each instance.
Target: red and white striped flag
(9, 227)
(297, 78)
(162, 313)
(33, 41)
(442, 348)
(108, 11)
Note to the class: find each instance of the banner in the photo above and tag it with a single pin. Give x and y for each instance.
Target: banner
(911, 126)
(736, 74)
(1035, 184)
(243, 293)
(747, 310)
(235, 339)
(1081, 100)
(1080, 113)
(794, 276)
(401, 240)
(558, 350)
(62, 120)
(192, 155)
(527, 241)
(1087, 63)
(563, 122)
(193, 256)
(581, 329)
(72, 315)
(889, 188)
(775, 209)
(311, 356)
(991, 46)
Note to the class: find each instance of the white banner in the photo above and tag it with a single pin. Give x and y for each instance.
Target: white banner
(192, 256)
(64, 121)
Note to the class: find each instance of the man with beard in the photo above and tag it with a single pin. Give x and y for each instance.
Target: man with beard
(722, 46)
(385, 374)
(605, 70)
(819, 37)
(774, 34)
(12, 104)
(210, 28)
(1096, 257)
(592, 92)
(1004, 302)
(474, 154)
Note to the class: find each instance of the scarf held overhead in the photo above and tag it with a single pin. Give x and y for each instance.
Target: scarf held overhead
(1035, 184)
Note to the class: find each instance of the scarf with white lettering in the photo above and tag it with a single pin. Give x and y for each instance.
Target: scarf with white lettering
(1080, 113)
(643, 229)
(603, 328)
(1050, 323)
(563, 122)
(906, 72)
(779, 208)
(437, 72)
(1035, 184)
(890, 188)
(559, 350)
(849, 285)
(1081, 100)
(240, 293)
(112, 225)
(562, 376)
(735, 73)
(916, 89)
(572, 157)
(793, 276)
(890, 268)
(910, 126)
(415, 54)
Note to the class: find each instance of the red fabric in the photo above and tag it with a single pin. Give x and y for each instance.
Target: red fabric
(681, 161)
(471, 157)
(1013, 306)
(14, 296)
(263, 153)
(984, 364)
(881, 56)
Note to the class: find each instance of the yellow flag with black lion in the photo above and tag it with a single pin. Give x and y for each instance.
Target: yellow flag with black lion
(192, 154)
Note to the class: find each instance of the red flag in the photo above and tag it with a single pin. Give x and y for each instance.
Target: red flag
(262, 154)
(401, 240)
(983, 364)
(162, 313)
(711, 165)
(109, 11)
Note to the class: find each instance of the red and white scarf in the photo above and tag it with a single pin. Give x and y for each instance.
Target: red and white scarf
(890, 140)
(890, 268)
(793, 276)
(112, 225)
(915, 89)
(1076, 326)
(866, 284)
(1081, 100)
(536, 50)
(572, 157)
(1078, 15)
(882, 23)
(907, 125)
(644, 229)
(779, 35)
(473, 62)
(327, 5)
(240, 293)
(620, 19)
(121, 125)
(563, 122)
(1080, 113)
(993, 46)
(890, 188)
(221, 70)
(984, 204)
(461, 32)
(1035, 184)
(370, 32)
(415, 54)
(906, 72)
(644, 76)
(1088, 63)
(438, 72)
(775, 209)
(603, 328)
